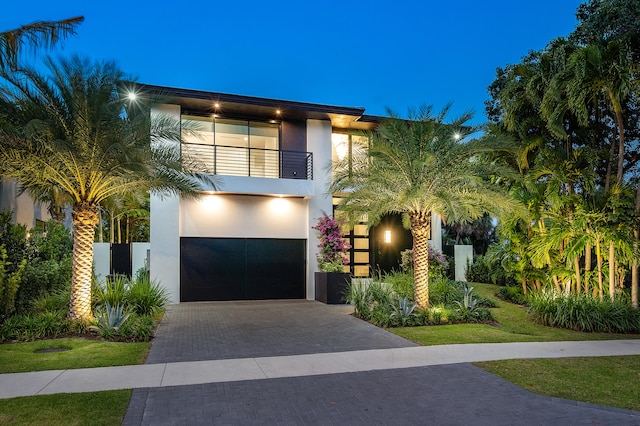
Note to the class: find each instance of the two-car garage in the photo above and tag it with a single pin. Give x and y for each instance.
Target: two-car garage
(242, 269)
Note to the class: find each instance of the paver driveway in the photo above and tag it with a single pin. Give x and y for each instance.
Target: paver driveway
(224, 330)
(457, 394)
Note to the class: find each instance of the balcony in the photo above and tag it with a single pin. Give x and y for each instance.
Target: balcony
(253, 162)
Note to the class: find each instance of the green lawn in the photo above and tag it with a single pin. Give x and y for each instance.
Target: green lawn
(513, 325)
(609, 381)
(22, 357)
(94, 408)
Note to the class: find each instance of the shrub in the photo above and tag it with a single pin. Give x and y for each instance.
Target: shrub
(34, 326)
(113, 292)
(512, 294)
(367, 295)
(9, 284)
(401, 282)
(57, 301)
(137, 328)
(583, 312)
(145, 296)
(41, 277)
(478, 271)
(332, 256)
(14, 239)
(445, 292)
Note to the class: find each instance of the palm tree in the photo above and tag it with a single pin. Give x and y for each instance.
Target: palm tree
(76, 131)
(417, 168)
(36, 34)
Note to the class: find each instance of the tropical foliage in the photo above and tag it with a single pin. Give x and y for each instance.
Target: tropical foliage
(76, 131)
(418, 167)
(572, 111)
(37, 34)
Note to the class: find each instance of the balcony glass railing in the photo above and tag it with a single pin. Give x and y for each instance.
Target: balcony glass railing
(242, 161)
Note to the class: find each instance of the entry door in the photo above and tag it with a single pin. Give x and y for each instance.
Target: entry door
(242, 269)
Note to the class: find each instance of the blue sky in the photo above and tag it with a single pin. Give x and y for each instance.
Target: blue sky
(372, 54)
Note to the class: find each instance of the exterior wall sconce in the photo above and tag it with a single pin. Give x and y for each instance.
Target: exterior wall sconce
(387, 236)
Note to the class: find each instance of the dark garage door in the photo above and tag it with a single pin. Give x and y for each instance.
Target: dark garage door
(242, 269)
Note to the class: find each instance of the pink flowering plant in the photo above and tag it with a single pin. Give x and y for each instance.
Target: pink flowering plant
(332, 255)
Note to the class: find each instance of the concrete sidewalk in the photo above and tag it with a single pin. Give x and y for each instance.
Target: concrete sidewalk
(259, 368)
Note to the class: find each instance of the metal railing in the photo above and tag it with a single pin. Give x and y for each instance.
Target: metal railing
(242, 161)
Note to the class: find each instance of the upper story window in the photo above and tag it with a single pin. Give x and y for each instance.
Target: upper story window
(344, 146)
(232, 147)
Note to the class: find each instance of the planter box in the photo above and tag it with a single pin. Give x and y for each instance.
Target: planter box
(330, 286)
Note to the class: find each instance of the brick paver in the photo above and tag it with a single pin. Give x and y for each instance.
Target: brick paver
(456, 394)
(224, 330)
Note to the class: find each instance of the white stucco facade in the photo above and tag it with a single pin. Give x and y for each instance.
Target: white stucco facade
(243, 207)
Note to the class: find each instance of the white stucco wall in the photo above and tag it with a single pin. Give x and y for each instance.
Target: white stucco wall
(139, 256)
(461, 255)
(101, 260)
(318, 142)
(165, 231)
(238, 216)
(25, 211)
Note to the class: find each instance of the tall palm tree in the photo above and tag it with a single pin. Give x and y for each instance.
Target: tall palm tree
(418, 167)
(76, 131)
(37, 34)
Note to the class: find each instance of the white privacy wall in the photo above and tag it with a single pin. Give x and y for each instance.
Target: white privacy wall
(165, 231)
(318, 142)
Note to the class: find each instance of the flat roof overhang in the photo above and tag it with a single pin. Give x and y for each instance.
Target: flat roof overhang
(202, 102)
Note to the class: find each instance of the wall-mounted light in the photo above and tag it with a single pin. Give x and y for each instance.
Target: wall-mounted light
(340, 144)
(387, 236)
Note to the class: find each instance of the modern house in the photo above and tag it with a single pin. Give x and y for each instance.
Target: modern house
(251, 237)
(24, 210)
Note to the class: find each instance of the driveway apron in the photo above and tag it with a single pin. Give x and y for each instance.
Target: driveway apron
(225, 330)
(456, 394)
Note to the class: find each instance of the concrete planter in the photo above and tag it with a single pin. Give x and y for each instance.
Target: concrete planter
(330, 286)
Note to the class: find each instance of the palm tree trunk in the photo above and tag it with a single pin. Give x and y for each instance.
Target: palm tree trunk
(612, 152)
(112, 227)
(100, 237)
(634, 270)
(612, 270)
(421, 230)
(587, 267)
(621, 148)
(85, 219)
(576, 263)
(599, 260)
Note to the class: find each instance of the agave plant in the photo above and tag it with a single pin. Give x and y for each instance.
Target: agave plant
(109, 320)
(467, 308)
(403, 309)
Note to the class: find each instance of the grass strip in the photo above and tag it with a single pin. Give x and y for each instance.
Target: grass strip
(611, 380)
(92, 408)
(82, 353)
